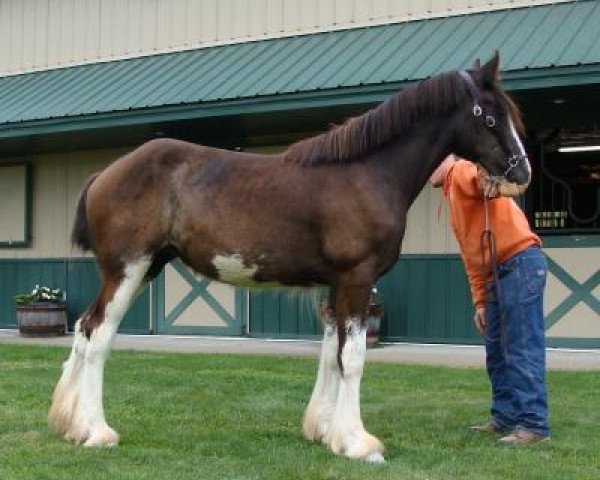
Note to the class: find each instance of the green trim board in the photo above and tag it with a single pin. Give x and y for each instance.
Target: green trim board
(570, 241)
(575, 343)
(359, 65)
(24, 239)
(77, 277)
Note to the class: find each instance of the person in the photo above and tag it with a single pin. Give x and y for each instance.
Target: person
(509, 315)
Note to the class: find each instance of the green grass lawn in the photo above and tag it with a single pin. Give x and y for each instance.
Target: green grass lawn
(235, 417)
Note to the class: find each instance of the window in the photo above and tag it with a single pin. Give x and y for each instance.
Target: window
(565, 190)
(15, 205)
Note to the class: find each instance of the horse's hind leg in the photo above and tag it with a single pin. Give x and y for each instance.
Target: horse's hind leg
(66, 393)
(82, 380)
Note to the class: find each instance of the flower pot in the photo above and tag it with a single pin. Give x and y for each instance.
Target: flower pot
(42, 319)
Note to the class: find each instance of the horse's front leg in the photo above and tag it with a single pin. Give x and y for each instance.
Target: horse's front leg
(346, 434)
(320, 409)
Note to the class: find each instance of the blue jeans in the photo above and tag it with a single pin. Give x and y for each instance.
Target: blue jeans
(515, 344)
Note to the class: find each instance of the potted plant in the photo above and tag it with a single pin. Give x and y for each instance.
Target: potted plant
(43, 312)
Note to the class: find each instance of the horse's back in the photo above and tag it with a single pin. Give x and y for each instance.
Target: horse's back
(157, 166)
(142, 196)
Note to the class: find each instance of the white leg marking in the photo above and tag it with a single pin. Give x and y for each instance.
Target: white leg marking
(347, 435)
(89, 424)
(318, 414)
(66, 393)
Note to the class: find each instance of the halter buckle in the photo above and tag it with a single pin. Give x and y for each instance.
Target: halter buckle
(477, 111)
(513, 161)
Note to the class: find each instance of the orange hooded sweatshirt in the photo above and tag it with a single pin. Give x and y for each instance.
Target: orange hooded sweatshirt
(467, 215)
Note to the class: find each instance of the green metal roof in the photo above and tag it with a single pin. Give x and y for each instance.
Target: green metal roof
(540, 46)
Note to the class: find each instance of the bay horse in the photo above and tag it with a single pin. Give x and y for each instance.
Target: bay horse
(329, 211)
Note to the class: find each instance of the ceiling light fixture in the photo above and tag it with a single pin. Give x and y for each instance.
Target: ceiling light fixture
(580, 148)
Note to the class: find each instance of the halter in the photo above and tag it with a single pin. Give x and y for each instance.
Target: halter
(490, 120)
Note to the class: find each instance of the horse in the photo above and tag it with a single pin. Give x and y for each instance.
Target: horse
(329, 211)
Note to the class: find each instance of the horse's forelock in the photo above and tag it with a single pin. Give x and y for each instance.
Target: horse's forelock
(513, 110)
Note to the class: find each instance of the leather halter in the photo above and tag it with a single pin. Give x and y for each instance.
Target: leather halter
(490, 121)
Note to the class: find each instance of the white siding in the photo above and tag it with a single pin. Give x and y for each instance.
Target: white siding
(42, 34)
(427, 228)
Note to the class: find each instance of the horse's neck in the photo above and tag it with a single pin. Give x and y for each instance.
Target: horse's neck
(415, 157)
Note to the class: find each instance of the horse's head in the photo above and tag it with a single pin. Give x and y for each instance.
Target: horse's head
(489, 128)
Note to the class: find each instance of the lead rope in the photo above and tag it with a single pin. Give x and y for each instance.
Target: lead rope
(487, 236)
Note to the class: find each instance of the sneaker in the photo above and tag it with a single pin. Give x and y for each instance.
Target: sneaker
(523, 437)
(487, 428)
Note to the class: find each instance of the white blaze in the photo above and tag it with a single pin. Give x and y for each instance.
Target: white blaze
(515, 135)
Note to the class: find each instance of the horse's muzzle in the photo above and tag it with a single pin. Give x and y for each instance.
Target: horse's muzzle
(512, 189)
(517, 176)
(518, 171)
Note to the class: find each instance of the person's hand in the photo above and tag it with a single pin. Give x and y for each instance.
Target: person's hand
(489, 186)
(479, 319)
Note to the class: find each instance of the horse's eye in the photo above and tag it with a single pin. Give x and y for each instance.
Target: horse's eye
(490, 121)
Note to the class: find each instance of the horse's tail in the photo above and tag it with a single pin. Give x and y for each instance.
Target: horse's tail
(342, 334)
(80, 234)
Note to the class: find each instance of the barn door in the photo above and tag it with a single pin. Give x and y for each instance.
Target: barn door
(188, 304)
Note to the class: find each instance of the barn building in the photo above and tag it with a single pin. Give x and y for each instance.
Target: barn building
(84, 81)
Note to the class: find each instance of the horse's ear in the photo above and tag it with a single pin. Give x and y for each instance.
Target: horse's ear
(489, 72)
(477, 64)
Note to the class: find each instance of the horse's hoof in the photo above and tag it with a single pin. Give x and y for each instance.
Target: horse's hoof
(77, 437)
(375, 458)
(362, 446)
(71, 438)
(104, 438)
(314, 431)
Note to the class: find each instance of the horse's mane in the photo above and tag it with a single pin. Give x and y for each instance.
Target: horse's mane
(363, 134)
